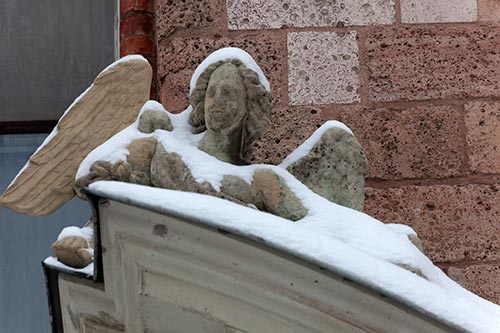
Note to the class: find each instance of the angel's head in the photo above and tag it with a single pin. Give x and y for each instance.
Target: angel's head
(228, 98)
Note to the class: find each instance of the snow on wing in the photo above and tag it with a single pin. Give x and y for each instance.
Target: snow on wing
(110, 104)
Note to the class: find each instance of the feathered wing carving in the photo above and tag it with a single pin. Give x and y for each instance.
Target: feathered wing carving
(110, 104)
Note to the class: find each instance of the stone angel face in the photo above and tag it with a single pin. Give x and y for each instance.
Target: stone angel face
(232, 105)
(225, 100)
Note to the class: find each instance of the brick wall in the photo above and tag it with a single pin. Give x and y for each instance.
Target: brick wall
(417, 81)
(137, 33)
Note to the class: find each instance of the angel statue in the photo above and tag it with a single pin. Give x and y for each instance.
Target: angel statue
(204, 149)
(113, 140)
(230, 109)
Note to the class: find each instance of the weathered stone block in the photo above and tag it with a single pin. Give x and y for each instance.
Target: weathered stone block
(323, 68)
(416, 142)
(290, 127)
(174, 91)
(453, 222)
(335, 168)
(173, 15)
(431, 11)
(482, 121)
(178, 59)
(418, 63)
(483, 280)
(258, 14)
(488, 10)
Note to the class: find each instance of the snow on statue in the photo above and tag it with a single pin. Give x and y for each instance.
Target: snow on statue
(204, 150)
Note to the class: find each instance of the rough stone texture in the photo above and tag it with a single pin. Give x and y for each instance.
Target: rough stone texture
(170, 172)
(323, 67)
(178, 59)
(173, 15)
(483, 280)
(237, 188)
(432, 11)
(418, 63)
(268, 191)
(141, 152)
(99, 170)
(488, 10)
(417, 142)
(262, 14)
(482, 121)
(152, 120)
(334, 168)
(72, 251)
(290, 126)
(453, 222)
(174, 91)
(108, 106)
(274, 196)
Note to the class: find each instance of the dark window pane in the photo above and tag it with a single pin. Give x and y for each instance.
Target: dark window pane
(50, 51)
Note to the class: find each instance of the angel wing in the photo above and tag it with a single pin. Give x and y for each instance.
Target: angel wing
(109, 105)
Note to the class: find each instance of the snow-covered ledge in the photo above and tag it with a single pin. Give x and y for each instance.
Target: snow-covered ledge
(166, 266)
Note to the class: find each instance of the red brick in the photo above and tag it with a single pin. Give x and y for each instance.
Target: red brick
(482, 121)
(453, 222)
(137, 24)
(419, 63)
(127, 6)
(178, 59)
(137, 44)
(417, 142)
(483, 280)
(173, 15)
(290, 127)
(488, 10)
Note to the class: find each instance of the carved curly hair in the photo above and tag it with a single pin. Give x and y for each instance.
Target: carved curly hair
(258, 104)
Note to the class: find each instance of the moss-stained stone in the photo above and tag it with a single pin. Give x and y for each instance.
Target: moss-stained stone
(334, 168)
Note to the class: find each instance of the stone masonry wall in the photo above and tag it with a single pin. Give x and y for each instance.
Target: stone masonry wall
(418, 81)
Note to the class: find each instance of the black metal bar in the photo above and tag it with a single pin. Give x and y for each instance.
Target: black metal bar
(27, 127)
(98, 265)
(53, 298)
